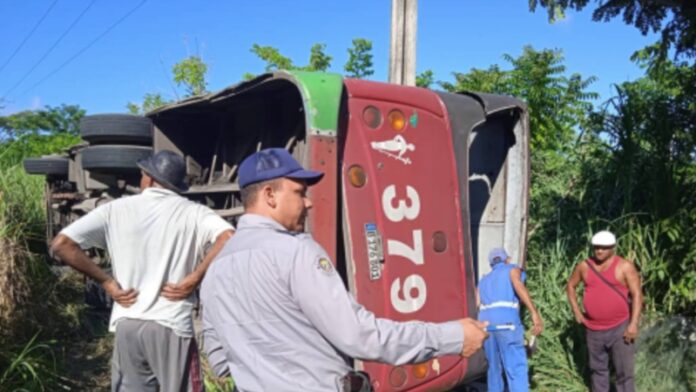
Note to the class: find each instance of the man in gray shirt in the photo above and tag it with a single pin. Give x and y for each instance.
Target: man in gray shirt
(276, 312)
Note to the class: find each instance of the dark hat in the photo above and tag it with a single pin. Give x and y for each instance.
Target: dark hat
(497, 255)
(167, 168)
(274, 163)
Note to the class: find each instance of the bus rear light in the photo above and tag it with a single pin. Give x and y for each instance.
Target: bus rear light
(357, 176)
(397, 120)
(398, 377)
(372, 117)
(439, 241)
(420, 370)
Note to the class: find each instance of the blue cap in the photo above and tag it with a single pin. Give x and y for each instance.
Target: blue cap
(497, 255)
(273, 163)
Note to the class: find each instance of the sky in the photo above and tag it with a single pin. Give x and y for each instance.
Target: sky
(102, 54)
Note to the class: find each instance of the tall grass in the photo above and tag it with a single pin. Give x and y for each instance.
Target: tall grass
(23, 366)
(27, 357)
(666, 359)
(559, 364)
(19, 215)
(212, 382)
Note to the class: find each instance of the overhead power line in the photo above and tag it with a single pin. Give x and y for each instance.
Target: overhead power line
(76, 55)
(24, 41)
(72, 25)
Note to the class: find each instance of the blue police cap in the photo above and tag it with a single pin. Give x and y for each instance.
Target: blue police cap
(274, 163)
(497, 255)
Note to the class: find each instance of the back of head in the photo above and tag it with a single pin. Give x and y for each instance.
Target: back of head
(497, 255)
(167, 168)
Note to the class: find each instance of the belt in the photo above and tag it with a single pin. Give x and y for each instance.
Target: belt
(501, 304)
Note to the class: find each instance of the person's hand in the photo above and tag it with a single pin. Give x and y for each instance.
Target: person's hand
(579, 317)
(538, 324)
(474, 335)
(125, 298)
(631, 333)
(182, 290)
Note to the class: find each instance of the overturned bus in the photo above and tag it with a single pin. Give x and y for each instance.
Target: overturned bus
(419, 185)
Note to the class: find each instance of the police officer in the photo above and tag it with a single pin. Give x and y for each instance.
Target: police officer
(277, 310)
(500, 293)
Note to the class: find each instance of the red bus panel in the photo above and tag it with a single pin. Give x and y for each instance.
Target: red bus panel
(402, 226)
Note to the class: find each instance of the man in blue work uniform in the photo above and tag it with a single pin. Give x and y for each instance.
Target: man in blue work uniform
(276, 312)
(500, 293)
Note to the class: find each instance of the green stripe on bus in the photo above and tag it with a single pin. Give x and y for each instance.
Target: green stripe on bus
(321, 93)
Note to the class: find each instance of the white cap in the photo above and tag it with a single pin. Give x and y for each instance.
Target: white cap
(604, 238)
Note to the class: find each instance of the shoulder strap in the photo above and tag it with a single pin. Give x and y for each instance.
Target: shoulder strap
(603, 279)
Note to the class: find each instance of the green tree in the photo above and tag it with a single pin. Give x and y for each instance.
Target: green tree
(49, 120)
(151, 101)
(649, 127)
(425, 79)
(558, 103)
(318, 60)
(274, 60)
(491, 80)
(359, 64)
(190, 72)
(675, 19)
(38, 132)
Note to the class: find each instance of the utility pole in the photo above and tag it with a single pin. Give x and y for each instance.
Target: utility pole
(402, 53)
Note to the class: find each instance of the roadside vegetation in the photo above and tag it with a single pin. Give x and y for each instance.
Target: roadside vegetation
(627, 164)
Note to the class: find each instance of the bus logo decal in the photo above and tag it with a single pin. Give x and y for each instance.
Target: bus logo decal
(395, 148)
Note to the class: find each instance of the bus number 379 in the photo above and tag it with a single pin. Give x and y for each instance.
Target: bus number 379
(410, 296)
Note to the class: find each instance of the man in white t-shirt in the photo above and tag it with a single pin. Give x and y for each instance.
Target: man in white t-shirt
(155, 240)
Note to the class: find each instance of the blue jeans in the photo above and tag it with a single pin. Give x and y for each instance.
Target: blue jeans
(505, 352)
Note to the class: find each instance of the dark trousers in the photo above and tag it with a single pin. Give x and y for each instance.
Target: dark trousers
(600, 344)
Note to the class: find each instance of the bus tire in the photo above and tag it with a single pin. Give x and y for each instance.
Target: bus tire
(113, 158)
(49, 166)
(116, 128)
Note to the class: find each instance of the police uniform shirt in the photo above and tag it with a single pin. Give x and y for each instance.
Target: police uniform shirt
(276, 313)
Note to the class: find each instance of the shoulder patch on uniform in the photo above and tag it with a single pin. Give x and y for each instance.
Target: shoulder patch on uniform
(324, 265)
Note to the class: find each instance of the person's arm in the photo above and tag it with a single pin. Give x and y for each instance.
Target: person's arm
(214, 350)
(70, 253)
(182, 290)
(634, 287)
(356, 332)
(523, 295)
(575, 279)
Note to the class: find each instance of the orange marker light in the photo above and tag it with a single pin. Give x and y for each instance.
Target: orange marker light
(372, 117)
(420, 370)
(357, 176)
(397, 120)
